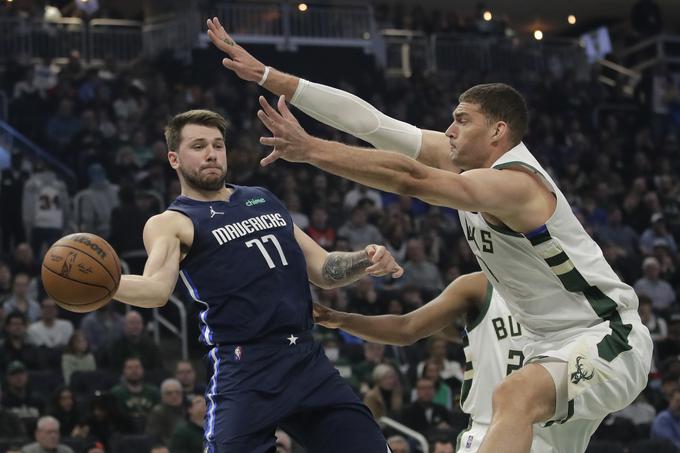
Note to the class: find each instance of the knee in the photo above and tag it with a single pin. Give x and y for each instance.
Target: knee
(514, 398)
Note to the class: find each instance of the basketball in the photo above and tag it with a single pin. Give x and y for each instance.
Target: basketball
(81, 272)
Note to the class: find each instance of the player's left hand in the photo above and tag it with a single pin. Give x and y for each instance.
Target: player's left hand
(383, 262)
(239, 59)
(290, 141)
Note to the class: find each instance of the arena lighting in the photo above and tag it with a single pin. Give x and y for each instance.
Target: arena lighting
(487, 15)
(302, 7)
(571, 19)
(538, 35)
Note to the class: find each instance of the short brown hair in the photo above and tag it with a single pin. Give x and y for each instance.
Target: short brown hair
(501, 102)
(207, 118)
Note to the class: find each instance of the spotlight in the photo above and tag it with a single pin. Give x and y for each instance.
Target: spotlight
(571, 19)
(538, 35)
(302, 7)
(487, 16)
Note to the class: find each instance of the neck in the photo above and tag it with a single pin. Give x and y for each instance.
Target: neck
(48, 322)
(222, 194)
(136, 387)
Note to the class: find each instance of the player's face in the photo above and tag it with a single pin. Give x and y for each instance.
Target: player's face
(469, 137)
(202, 157)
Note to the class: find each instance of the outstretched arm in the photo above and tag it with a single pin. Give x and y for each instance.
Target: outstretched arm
(336, 108)
(162, 243)
(331, 270)
(460, 296)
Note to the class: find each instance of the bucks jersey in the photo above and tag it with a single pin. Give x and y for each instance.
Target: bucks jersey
(554, 278)
(245, 268)
(493, 349)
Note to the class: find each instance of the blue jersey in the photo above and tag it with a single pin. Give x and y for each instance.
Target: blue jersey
(245, 267)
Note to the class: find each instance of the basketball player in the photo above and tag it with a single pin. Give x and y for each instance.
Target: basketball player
(493, 345)
(589, 354)
(239, 255)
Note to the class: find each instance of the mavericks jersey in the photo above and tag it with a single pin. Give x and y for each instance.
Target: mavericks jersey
(245, 268)
(555, 278)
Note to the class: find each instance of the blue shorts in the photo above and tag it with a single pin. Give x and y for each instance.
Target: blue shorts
(255, 388)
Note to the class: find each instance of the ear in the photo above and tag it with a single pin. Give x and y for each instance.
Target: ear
(173, 158)
(499, 131)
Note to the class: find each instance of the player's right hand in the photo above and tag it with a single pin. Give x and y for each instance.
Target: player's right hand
(325, 316)
(240, 61)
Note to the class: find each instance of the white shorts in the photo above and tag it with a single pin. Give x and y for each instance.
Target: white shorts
(571, 437)
(590, 383)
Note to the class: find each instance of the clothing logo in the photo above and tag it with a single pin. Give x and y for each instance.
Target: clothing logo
(238, 352)
(213, 213)
(68, 263)
(468, 443)
(255, 201)
(581, 372)
(292, 339)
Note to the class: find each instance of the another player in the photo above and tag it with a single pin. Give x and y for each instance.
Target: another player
(493, 345)
(589, 353)
(239, 255)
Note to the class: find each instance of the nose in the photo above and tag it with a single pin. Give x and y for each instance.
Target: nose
(211, 153)
(452, 130)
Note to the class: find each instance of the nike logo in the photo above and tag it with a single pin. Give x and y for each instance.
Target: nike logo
(213, 213)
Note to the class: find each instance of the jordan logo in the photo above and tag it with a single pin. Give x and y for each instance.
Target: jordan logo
(213, 213)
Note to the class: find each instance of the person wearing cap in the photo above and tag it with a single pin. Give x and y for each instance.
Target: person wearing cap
(652, 286)
(656, 231)
(47, 438)
(17, 397)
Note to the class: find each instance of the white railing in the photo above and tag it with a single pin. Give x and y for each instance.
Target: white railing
(404, 51)
(119, 40)
(395, 425)
(176, 33)
(649, 52)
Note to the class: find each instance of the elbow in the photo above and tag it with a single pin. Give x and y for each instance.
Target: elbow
(407, 335)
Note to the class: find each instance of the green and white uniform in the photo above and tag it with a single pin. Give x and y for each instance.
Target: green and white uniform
(571, 305)
(493, 349)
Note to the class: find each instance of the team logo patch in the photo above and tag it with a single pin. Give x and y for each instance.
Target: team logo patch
(255, 201)
(470, 438)
(238, 352)
(584, 370)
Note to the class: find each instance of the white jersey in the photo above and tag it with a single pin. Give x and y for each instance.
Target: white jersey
(554, 279)
(493, 349)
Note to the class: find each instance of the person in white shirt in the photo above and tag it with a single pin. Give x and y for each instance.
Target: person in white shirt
(50, 331)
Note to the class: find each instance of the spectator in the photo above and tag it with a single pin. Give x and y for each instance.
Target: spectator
(165, 416)
(385, 397)
(186, 375)
(11, 222)
(618, 233)
(294, 206)
(17, 397)
(657, 231)
(450, 370)
(319, 229)
(442, 446)
(398, 444)
(105, 421)
(20, 300)
(358, 231)
(47, 438)
(50, 331)
(45, 208)
(188, 437)
(63, 407)
(10, 423)
(5, 284)
(443, 394)
(651, 285)
(102, 327)
(364, 298)
(62, 126)
(134, 343)
(76, 356)
(14, 345)
(667, 424)
(95, 204)
(423, 415)
(374, 354)
(134, 396)
(669, 346)
(656, 324)
(359, 192)
(419, 272)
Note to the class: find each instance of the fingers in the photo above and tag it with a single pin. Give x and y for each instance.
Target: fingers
(220, 37)
(283, 108)
(267, 120)
(380, 252)
(268, 109)
(398, 273)
(272, 157)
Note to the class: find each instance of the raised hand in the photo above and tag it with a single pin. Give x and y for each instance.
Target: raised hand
(325, 316)
(290, 141)
(383, 262)
(240, 60)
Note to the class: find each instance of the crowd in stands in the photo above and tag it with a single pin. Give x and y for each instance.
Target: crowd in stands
(98, 382)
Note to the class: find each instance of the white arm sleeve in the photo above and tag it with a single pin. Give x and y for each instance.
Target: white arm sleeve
(353, 115)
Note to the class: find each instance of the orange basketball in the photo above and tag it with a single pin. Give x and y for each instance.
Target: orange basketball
(81, 272)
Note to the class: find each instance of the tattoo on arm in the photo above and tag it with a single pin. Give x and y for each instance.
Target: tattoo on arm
(342, 268)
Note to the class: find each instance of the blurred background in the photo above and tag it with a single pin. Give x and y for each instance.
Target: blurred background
(86, 87)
